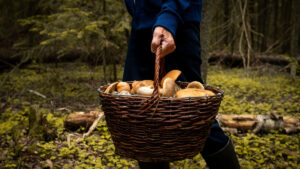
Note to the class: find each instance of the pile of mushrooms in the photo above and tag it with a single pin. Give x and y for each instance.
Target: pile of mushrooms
(167, 88)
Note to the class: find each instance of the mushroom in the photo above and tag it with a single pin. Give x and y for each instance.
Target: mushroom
(133, 86)
(137, 84)
(190, 92)
(123, 88)
(173, 74)
(169, 88)
(198, 85)
(195, 84)
(148, 90)
(111, 87)
(193, 92)
(145, 90)
(125, 92)
(209, 93)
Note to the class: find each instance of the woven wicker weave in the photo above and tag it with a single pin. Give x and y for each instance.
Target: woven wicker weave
(165, 129)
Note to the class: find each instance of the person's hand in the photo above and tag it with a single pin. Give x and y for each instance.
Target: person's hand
(165, 38)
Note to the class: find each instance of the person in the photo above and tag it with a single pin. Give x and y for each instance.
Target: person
(175, 25)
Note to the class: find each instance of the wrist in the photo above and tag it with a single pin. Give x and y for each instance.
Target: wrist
(168, 21)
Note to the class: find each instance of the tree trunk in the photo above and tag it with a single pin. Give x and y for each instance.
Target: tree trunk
(226, 20)
(204, 37)
(295, 35)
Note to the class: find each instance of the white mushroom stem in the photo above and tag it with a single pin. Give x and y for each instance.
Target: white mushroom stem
(124, 92)
(145, 90)
(169, 88)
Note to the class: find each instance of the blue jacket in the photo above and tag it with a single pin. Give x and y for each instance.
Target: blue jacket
(166, 13)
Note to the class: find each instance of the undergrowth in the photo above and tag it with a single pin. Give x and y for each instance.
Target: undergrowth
(256, 93)
(46, 94)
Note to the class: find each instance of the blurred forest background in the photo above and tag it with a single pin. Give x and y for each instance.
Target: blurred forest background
(55, 54)
(242, 32)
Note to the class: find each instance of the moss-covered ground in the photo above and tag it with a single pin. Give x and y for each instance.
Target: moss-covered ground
(35, 100)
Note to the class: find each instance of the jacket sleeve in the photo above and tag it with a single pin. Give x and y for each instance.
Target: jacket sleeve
(129, 6)
(171, 14)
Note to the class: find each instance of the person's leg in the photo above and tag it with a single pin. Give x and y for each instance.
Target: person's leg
(215, 141)
(224, 157)
(140, 66)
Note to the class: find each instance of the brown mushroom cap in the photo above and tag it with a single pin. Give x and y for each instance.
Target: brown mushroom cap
(209, 93)
(173, 74)
(190, 92)
(137, 84)
(196, 85)
(133, 86)
(123, 86)
(111, 87)
(160, 90)
(134, 83)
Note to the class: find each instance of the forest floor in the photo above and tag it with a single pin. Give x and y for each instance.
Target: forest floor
(35, 100)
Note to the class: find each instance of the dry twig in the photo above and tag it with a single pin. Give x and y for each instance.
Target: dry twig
(92, 128)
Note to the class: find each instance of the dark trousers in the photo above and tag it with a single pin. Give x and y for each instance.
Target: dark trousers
(140, 66)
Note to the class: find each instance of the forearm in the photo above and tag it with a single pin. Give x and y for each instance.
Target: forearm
(171, 14)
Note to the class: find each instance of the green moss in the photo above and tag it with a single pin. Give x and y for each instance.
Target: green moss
(10, 120)
(196, 162)
(47, 150)
(256, 93)
(56, 122)
(274, 150)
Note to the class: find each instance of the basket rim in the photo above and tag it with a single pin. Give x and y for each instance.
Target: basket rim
(219, 94)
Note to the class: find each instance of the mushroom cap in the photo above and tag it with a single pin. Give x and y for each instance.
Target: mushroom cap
(134, 83)
(137, 84)
(160, 90)
(133, 86)
(190, 92)
(209, 93)
(111, 87)
(173, 74)
(123, 86)
(168, 89)
(196, 85)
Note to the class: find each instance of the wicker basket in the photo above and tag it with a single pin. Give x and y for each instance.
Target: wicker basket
(171, 129)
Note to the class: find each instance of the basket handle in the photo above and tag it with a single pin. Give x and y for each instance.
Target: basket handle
(159, 71)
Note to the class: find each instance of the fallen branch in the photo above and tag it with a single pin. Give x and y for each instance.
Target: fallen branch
(236, 59)
(50, 163)
(92, 128)
(37, 93)
(64, 109)
(259, 123)
(80, 119)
